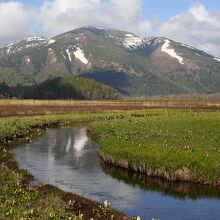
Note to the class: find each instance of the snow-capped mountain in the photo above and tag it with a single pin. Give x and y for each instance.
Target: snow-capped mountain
(131, 64)
(26, 43)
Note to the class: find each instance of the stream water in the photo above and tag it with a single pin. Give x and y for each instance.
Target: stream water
(68, 159)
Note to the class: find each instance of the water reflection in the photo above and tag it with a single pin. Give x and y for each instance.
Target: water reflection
(68, 159)
(70, 148)
(179, 190)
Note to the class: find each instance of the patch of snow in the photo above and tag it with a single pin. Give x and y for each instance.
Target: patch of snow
(100, 28)
(110, 36)
(156, 41)
(18, 49)
(29, 39)
(217, 59)
(31, 45)
(198, 54)
(68, 52)
(12, 43)
(15, 46)
(35, 38)
(80, 55)
(51, 41)
(9, 45)
(28, 60)
(131, 41)
(171, 52)
(188, 46)
(129, 35)
(159, 40)
(63, 55)
(8, 50)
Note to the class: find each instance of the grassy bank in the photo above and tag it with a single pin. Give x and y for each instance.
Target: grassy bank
(20, 200)
(174, 144)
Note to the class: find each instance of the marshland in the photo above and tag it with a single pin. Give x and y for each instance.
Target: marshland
(175, 148)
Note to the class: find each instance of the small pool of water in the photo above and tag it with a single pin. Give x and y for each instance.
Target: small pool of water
(68, 159)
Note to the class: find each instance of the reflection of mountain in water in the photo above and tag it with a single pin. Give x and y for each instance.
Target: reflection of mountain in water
(70, 148)
(179, 190)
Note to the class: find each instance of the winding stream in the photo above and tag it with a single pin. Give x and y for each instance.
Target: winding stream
(68, 159)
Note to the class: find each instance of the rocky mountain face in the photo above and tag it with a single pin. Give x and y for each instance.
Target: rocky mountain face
(132, 65)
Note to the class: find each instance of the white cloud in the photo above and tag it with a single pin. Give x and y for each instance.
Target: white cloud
(15, 21)
(63, 15)
(197, 27)
(126, 11)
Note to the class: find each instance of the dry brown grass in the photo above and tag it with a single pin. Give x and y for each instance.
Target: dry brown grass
(33, 107)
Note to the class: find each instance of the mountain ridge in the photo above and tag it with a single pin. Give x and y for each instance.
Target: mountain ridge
(133, 65)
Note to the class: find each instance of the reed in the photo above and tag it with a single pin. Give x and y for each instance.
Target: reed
(36, 107)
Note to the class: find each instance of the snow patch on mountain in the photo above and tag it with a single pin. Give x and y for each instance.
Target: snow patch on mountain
(155, 43)
(100, 28)
(80, 56)
(63, 55)
(69, 55)
(132, 42)
(32, 45)
(217, 59)
(129, 35)
(28, 39)
(35, 38)
(8, 45)
(29, 42)
(9, 49)
(12, 43)
(171, 52)
(188, 46)
(51, 41)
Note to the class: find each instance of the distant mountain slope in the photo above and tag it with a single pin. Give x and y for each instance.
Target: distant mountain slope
(63, 88)
(134, 66)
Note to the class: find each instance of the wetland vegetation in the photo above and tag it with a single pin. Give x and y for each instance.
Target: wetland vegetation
(173, 144)
(176, 145)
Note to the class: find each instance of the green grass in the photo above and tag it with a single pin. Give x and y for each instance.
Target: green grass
(158, 139)
(13, 127)
(20, 201)
(165, 141)
(17, 202)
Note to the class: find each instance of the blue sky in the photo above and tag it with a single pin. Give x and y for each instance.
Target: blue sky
(162, 8)
(194, 22)
(31, 2)
(167, 8)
